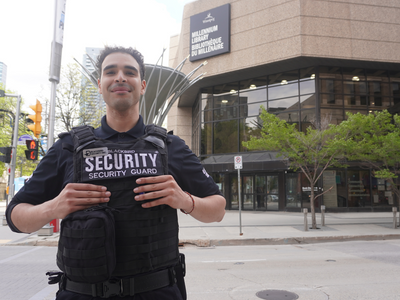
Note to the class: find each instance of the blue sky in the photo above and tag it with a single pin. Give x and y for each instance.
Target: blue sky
(27, 32)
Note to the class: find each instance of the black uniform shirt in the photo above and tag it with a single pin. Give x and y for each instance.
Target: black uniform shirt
(55, 170)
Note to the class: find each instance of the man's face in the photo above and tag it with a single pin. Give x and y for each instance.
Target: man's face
(120, 82)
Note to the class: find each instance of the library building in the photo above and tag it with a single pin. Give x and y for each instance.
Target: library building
(301, 60)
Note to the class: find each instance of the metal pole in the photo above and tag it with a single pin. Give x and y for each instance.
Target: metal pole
(14, 149)
(50, 139)
(240, 202)
(322, 215)
(394, 209)
(305, 210)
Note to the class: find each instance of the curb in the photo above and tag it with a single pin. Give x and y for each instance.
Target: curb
(287, 241)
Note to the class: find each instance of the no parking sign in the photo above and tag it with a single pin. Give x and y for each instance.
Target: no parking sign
(238, 162)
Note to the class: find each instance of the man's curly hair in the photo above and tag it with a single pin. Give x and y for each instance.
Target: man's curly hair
(133, 52)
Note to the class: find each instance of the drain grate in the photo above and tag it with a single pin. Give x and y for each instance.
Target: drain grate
(276, 295)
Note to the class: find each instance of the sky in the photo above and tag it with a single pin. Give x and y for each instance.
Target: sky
(27, 28)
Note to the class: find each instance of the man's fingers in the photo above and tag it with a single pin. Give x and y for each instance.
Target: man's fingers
(86, 187)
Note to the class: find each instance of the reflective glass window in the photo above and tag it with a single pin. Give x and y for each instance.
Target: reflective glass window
(330, 86)
(359, 187)
(253, 83)
(284, 104)
(307, 101)
(283, 90)
(226, 136)
(307, 74)
(354, 74)
(307, 118)
(252, 96)
(335, 115)
(331, 99)
(307, 87)
(248, 127)
(255, 109)
(206, 138)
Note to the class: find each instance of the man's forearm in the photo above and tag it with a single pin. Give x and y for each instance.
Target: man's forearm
(29, 218)
(209, 209)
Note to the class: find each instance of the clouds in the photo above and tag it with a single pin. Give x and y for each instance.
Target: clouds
(27, 32)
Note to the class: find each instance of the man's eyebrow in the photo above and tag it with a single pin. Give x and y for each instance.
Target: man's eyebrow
(126, 67)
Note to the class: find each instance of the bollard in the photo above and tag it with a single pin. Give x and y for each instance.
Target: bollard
(305, 210)
(322, 215)
(394, 217)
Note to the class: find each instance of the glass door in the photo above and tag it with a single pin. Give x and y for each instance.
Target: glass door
(248, 192)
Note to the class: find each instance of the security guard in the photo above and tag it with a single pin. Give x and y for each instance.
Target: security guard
(52, 194)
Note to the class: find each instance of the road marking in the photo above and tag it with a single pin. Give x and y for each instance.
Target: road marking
(4, 241)
(19, 255)
(51, 289)
(235, 260)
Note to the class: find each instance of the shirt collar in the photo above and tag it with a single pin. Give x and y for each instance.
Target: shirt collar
(106, 132)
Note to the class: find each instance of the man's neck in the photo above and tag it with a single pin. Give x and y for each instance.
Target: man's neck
(122, 122)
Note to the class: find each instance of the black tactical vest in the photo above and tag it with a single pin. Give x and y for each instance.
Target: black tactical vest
(146, 239)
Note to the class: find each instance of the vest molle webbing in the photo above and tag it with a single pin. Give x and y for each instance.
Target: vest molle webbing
(145, 239)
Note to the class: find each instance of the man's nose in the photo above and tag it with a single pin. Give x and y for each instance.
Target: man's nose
(120, 77)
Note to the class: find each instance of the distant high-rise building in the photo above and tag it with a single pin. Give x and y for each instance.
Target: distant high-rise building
(94, 104)
(3, 73)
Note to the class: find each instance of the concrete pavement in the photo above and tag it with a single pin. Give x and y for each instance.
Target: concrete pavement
(258, 228)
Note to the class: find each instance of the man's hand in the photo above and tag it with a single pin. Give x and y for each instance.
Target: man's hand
(164, 189)
(78, 196)
(75, 196)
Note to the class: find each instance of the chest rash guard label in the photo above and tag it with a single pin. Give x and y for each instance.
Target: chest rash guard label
(122, 163)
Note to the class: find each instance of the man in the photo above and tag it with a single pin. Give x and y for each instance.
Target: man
(52, 194)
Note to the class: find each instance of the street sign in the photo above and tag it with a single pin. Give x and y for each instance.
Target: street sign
(23, 138)
(238, 162)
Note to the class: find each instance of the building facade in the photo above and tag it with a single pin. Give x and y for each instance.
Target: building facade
(94, 106)
(3, 73)
(302, 60)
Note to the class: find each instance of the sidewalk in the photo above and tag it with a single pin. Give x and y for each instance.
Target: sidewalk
(258, 228)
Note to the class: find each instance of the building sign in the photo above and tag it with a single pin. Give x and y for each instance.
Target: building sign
(210, 33)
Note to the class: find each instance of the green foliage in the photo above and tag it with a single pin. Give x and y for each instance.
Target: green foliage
(313, 151)
(9, 104)
(377, 144)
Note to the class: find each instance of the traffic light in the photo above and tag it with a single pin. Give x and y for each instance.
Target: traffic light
(36, 118)
(33, 149)
(7, 157)
(2, 93)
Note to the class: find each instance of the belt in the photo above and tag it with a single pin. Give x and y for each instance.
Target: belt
(124, 286)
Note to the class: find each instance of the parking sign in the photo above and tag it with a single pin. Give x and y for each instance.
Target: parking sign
(238, 162)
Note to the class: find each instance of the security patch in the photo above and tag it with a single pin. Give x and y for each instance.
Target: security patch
(120, 163)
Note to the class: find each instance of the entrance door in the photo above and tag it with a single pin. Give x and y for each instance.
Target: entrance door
(259, 192)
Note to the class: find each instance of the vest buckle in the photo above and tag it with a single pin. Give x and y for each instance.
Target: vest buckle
(110, 288)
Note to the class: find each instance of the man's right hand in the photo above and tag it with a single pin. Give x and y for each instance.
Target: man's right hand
(75, 196)
(78, 196)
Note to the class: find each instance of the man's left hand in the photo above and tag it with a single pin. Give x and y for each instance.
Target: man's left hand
(164, 190)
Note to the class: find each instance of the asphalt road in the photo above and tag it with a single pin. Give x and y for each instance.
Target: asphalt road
(359, 270)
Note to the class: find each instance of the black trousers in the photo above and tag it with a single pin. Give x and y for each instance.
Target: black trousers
(165, 293)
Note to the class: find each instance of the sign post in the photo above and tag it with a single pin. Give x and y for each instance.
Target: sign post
(238, 167)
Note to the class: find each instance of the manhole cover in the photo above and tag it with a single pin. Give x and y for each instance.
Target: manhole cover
(276, 295)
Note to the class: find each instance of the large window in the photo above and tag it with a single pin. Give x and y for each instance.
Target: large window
(228, 114)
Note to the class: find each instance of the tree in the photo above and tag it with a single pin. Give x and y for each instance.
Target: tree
(321, 146)
(76, 103)
(377, 145)
(7, 115)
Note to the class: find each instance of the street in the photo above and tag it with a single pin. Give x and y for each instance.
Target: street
(362, 270)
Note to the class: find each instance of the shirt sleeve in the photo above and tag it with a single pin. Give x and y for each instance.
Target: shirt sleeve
(188, 171)
(51, 175)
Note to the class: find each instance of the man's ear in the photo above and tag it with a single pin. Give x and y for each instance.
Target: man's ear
(99, 85)
(143, 89)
